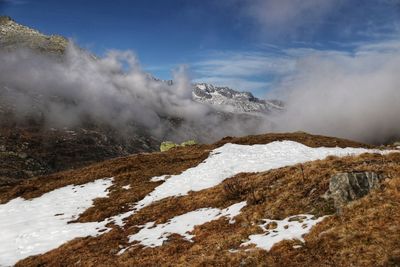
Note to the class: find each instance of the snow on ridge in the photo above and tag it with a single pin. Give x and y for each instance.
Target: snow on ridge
(152, 235)
(31, 227)
(275, 231)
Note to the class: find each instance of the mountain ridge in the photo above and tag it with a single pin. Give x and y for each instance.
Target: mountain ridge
(232, 100)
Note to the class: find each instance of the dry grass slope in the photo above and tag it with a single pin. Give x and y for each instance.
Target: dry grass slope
(367, 233)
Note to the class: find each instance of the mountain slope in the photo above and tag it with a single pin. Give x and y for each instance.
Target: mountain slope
(223, 218)
(14, 35)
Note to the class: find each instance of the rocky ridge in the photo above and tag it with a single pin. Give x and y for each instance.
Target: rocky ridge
(14, 35)
(230, 100)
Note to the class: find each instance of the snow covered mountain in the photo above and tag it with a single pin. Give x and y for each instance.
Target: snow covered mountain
(233, 101)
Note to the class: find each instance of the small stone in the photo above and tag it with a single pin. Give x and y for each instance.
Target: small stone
(271, 226)
(299, 219)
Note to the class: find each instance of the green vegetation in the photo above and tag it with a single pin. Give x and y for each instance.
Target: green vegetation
(167, 145)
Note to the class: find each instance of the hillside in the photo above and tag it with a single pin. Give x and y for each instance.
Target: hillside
(248, 201)
(14, 35)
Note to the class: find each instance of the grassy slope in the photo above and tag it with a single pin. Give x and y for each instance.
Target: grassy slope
(366, 234)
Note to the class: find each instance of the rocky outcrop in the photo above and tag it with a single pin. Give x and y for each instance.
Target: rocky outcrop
(349, 186)
(14, 35)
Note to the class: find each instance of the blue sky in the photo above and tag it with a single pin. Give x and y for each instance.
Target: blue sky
(248, 45)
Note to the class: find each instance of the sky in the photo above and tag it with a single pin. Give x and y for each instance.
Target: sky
(248, 45)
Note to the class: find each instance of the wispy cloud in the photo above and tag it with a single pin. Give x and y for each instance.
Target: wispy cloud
(242, 70)
(287, 17)
(245, 64)
(14, 2)
(6, 3)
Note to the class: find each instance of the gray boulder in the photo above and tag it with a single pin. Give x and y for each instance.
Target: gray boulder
(346, 187)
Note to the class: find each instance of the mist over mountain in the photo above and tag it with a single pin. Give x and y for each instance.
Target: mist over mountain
(61, 106)
(65, 91)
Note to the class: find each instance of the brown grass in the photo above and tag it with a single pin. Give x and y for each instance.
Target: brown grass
(366, 234)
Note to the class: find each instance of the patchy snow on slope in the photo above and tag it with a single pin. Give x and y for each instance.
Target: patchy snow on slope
(159, 178)
(154, 235)
(293, 227)
(231, 159)
(126, 187)
(30, 227)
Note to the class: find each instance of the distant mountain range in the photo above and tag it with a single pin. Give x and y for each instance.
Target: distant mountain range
(233, 101)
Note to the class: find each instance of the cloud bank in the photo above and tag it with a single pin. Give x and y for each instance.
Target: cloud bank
(353, 95)
(114, 90)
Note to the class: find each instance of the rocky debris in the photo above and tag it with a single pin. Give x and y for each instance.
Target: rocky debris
(349, 186)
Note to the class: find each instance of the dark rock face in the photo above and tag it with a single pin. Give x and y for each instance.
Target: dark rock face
(28, 152)
(346, 187)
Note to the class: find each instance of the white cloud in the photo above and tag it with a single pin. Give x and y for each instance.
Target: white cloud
(288, 16)
(242, 70)
(353, 95)
(244, 64)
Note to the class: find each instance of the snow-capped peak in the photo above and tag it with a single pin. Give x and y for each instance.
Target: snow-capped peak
(231, 100)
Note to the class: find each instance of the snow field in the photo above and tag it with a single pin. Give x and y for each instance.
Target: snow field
(30, 227)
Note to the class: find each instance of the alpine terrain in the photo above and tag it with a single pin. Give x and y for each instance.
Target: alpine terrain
(108, 158)
(266, 200)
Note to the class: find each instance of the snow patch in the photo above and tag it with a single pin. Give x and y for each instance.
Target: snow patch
(31, 227)
(231, 159)
(293, 227)
(126, 187)
(154, 235)
(159, 178)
